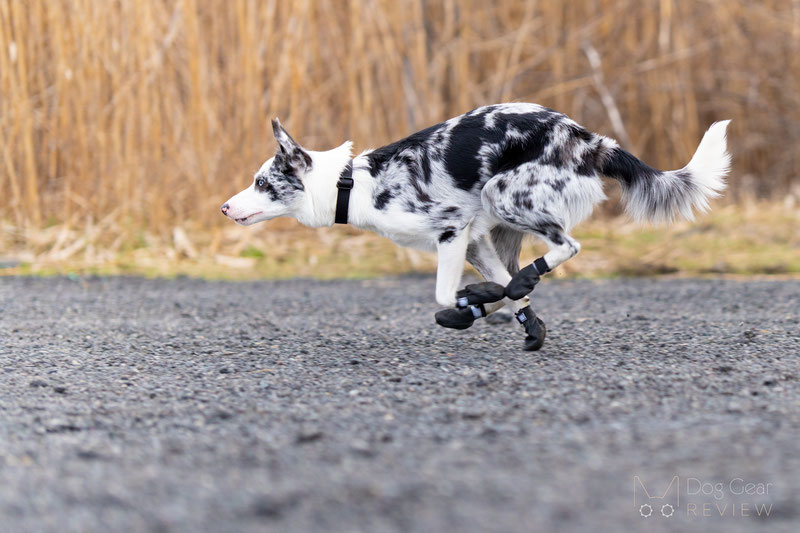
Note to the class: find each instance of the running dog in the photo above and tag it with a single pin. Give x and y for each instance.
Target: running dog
(470, 188)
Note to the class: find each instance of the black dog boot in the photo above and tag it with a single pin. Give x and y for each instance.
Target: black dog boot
(534, 327)
(524, 281)
(460, 317)
(480, 293)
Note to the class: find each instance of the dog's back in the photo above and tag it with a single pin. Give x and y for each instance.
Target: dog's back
(532, 155)
(531, 168)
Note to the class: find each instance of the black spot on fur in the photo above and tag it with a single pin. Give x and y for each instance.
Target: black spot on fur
(288, 167)
(623, 166)
(529, 122)
(558, 184)
(423, 197)
(537, 128)
(281, 182)
(462, 157)
(586, 166)
(523, 200)
(555, 237)
(564, 154)
(383, 198)
(269, 189)
(551, 231)
(447, 235)
(519, 153)
(580, 133)
(425, 167)
(378, 159)
(556, 158)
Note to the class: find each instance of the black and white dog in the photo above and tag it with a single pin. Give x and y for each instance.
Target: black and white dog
(471, 188)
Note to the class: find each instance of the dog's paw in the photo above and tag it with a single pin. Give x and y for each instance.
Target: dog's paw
(534, 328)
(480, 293)
(459, 318)
(536, 334)
(522, 283)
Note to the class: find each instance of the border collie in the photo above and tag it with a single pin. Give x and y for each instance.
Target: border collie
(471, 188)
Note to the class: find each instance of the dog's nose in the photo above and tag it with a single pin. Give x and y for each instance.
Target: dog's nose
(225, 208)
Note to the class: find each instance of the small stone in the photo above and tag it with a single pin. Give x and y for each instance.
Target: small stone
(362, 447)
(59, 389)
(89, 455)
(221, 414)
(272, 506)
(307, 435)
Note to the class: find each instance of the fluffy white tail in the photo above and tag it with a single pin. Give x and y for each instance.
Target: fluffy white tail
(661, 196)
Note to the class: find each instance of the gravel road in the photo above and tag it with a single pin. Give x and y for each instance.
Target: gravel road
(186, 405)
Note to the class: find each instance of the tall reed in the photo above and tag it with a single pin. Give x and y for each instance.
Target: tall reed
(152, 112)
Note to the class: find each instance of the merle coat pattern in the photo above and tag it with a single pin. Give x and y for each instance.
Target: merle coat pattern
(473, 186)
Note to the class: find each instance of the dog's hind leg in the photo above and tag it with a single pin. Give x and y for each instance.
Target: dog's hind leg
(508, 244)
(561, 247)
(546, 200)
(484, 257)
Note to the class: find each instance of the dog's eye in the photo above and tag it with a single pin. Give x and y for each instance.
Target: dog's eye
(260, 182)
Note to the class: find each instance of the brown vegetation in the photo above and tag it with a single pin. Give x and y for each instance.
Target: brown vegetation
(150, 113)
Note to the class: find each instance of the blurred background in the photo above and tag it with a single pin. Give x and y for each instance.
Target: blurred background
(125, 124)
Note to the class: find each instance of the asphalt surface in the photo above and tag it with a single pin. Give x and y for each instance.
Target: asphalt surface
(135, 405)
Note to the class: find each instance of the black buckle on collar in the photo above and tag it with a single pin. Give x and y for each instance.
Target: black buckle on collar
(345, 184)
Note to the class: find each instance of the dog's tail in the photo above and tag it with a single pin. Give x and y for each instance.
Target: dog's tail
(661, 196)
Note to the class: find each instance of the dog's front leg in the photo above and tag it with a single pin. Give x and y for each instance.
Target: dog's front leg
(451, 256)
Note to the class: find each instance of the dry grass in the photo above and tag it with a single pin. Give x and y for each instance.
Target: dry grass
(761, 238)
(120, 121)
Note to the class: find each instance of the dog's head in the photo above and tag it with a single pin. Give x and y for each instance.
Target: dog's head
(277, 186)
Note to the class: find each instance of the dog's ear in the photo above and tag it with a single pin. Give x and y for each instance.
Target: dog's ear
(289, 152)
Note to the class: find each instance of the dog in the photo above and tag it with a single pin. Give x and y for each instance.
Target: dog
(471, 188)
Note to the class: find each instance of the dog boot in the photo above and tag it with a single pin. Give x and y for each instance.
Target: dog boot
(524, 281)
(534, 327)
(460, 317)
(480, 293)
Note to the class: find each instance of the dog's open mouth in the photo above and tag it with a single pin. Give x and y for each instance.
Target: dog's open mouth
(243, 220)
